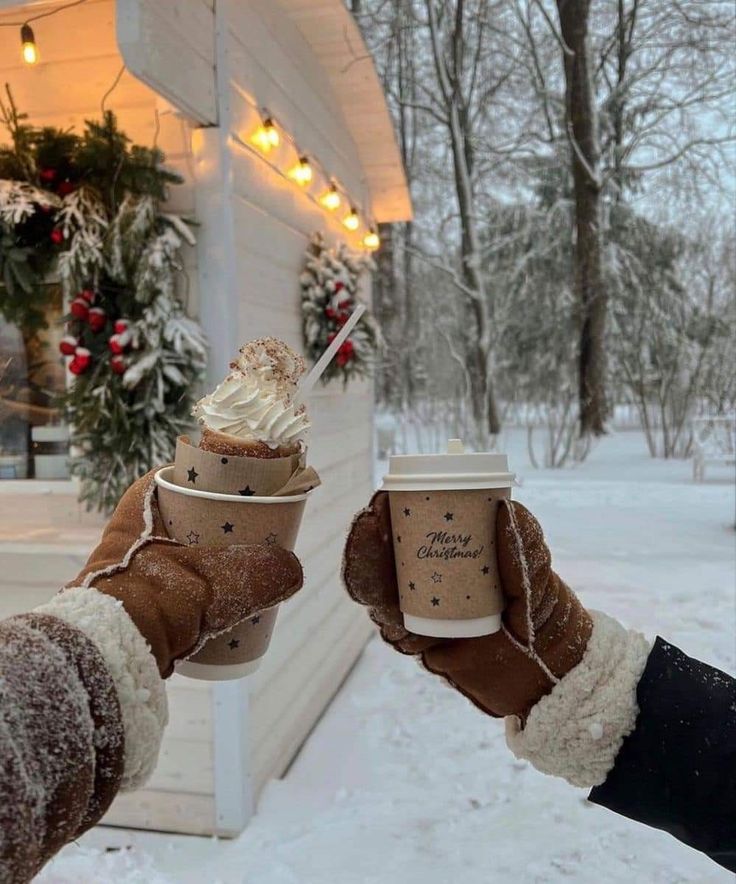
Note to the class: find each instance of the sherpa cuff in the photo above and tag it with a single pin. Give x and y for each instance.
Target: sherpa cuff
(133, 670)
(577, 729)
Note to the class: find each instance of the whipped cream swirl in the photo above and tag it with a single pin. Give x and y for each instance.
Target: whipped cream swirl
(255, 402)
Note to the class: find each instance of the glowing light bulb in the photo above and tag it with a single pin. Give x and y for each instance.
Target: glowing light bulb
(29, 49)
(266, 136)
(372, 240)
(351, 221)
(331, 199)
(302, 172)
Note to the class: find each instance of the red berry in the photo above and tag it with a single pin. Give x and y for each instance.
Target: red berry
(79, 309)
(339, 286)
(47, 175)
(68, 345)
(121, 325)
(330, 313)
(81, 361)
(119, 343)
(117, 364)
(64, 188)
(88, 295)
(83, 355)
(57, 236)
(344, 303)
(96, 318)
(347, 348)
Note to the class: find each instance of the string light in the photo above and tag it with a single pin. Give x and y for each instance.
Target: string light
(29, 49)
(331, 199)
(351, 220)
(372, 240)
(302, 172)
(266, 135)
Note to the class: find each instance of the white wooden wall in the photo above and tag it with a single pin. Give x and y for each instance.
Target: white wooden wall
(222, 743)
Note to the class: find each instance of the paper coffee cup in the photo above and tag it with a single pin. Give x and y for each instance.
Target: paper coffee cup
(209, 518)
(443, 517)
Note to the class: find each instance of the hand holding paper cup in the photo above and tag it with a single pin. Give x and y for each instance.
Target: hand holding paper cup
(544, 629)
(246, 483)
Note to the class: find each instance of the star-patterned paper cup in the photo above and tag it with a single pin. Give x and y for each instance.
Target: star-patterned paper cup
(207, 518)
(443, 517)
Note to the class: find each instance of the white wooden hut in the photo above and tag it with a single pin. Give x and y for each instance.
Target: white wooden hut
(197, 75)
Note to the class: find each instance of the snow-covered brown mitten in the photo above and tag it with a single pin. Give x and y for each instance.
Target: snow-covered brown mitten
(564, 678)
(146, 601)
(178, 596)
(545, 628)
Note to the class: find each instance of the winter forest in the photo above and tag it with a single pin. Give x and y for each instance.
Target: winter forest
(571, 260)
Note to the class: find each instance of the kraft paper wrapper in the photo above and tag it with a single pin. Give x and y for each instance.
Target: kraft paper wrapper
(445, 551)
(245, 476)
(198, 521)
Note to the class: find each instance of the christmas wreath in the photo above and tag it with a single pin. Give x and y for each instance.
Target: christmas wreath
(329, 285)
(86, 210)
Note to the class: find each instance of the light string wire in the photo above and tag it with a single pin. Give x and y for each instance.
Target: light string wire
(27, 21)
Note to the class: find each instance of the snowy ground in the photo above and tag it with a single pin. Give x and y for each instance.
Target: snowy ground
(404, 781)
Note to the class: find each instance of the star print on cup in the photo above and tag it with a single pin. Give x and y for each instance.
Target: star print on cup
(407, 511)
(233, 644)
(485, 569)
(436, 578)
(435, 601)
(255, 620)
(271, 539)
(227, 527)
(192, 475)
(193, 538)
(246, 492)
(449, 517)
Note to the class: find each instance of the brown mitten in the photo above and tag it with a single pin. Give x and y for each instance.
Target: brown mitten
(545, 628)
(178, 596)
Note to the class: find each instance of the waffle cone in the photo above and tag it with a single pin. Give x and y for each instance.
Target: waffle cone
(233, 446)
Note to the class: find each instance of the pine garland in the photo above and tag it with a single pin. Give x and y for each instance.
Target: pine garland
(329, 284)
(88, 207)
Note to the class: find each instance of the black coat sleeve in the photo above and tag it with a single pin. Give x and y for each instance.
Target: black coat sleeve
(677, 770)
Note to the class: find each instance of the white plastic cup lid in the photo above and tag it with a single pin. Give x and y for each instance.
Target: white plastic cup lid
(455, 470)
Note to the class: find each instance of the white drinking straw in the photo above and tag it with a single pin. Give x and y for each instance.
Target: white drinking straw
(307, 385)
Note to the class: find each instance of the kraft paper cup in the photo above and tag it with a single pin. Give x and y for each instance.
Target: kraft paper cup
(209, 518)
(443, 517)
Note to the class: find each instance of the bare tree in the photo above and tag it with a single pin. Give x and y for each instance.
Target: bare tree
(636, 117)
(582, 130)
